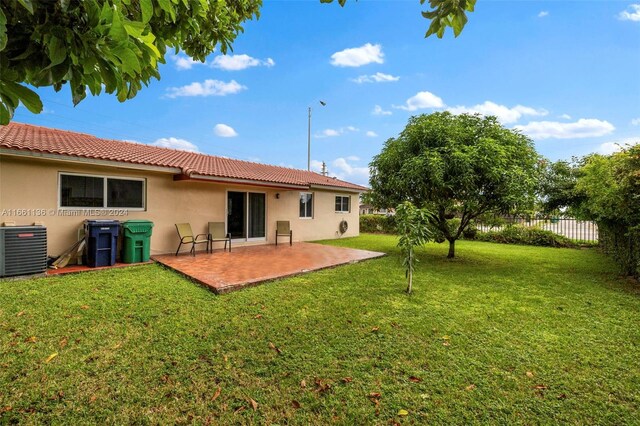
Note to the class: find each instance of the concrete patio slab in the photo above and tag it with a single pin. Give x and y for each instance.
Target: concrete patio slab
(222, 271)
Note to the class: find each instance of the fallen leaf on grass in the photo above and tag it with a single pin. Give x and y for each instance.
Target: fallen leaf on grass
(415, 379)
(446, 337)
(529, 374)
(445, 343)
(50, 357)
(239, 410)
(470, 387)
(63, 342)
(216, 394)
(84, 307)
(117, 345)
(375, 395)
(347, 380)
(562, 396)
(7, 408)
(19, 314)
(403, 413)
(322, 386)
(540, 387)
(31, 339)
(275, 348)
(258, 316)
(93, 398)
(374, 329)
(295, 404)
(254, 404)
(303, 383)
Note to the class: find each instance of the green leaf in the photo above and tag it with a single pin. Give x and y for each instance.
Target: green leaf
(117, 31)
(146, 6)
(27, 4)
(57, 52)
(133, 28)
(28, 97)
(5, 114)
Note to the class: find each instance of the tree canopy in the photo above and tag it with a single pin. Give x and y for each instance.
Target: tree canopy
(115, 45)
(456, 166)
(110, 45)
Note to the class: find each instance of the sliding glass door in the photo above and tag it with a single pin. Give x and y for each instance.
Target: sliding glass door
(257, 215)
(246, 215)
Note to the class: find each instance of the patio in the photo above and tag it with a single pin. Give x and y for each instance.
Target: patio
(223, 272)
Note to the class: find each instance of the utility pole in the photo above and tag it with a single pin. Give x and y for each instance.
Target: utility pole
(309, 138)
(309, 142)
(325, 172)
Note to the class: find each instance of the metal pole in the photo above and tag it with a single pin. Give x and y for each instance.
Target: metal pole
(309, 142)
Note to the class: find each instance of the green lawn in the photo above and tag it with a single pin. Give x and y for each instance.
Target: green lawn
(502, 334)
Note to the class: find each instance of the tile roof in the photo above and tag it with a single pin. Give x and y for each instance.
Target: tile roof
(26, 137)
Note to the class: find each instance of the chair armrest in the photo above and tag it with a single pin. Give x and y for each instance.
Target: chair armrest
(202, 235)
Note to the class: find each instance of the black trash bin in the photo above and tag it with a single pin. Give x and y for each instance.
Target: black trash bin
(102, 242)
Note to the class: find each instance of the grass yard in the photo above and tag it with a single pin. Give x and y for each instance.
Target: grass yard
(503, 334)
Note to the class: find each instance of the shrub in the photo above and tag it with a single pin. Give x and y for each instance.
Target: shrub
(623, 244)
(518, 234)
(377, 224)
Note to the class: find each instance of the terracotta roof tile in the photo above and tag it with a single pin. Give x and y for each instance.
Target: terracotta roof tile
(26, 137)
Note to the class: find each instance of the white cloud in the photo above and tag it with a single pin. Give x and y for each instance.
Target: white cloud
(631, 14)
(375, 78)
(344, 170)
(239, 62)
(565, 117)
(543, 13)
(422, 100)
(206, 88)
(377, 110)
(316, 166)
(184, 62)
(353, 158)
(616, 146)
(331, 133)
(583, 128)
(358, 56)
(372, 134)
(175, 143)
(635, 122)
(505, 114)
(224, 131)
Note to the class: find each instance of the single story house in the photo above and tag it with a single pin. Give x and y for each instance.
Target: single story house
(61, 178)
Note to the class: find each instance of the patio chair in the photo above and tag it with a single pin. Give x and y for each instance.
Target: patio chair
(186, 237)
(216, 233)
(283, 229)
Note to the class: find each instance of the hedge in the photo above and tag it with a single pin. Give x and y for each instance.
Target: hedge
(377, 224)
(526, 235)
(623, 244)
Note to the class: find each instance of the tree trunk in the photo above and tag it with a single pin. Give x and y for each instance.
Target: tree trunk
(410, 282)
(452, 249)
(410, 271)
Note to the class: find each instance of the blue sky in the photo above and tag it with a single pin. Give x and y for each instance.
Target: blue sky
(565, 73)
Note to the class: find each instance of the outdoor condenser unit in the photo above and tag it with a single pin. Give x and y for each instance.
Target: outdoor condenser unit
(23, 250)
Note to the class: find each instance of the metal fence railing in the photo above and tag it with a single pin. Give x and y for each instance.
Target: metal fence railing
(571, 228)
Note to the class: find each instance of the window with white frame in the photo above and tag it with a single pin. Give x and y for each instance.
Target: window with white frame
(343, 204)
(306, 205)
(87, 191)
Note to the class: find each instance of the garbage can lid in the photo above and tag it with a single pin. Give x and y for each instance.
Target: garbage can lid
(101, 222)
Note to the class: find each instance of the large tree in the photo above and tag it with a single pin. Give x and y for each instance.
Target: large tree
(115, 45)
(458, 167)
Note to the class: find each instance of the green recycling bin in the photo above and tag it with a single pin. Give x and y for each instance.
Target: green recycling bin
(136, 241)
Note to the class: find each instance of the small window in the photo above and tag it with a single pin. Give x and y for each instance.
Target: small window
(343, 204)
(81, 191)
(306, 205)
(125, 193)
(101, 192)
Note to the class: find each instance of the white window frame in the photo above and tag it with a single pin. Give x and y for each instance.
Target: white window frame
(348, 197)
(313, 205)
(104, 192)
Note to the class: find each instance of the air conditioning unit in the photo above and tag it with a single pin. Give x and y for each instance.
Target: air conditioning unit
(23, 250)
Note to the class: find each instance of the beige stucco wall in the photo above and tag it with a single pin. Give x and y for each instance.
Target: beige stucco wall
(31, 186)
